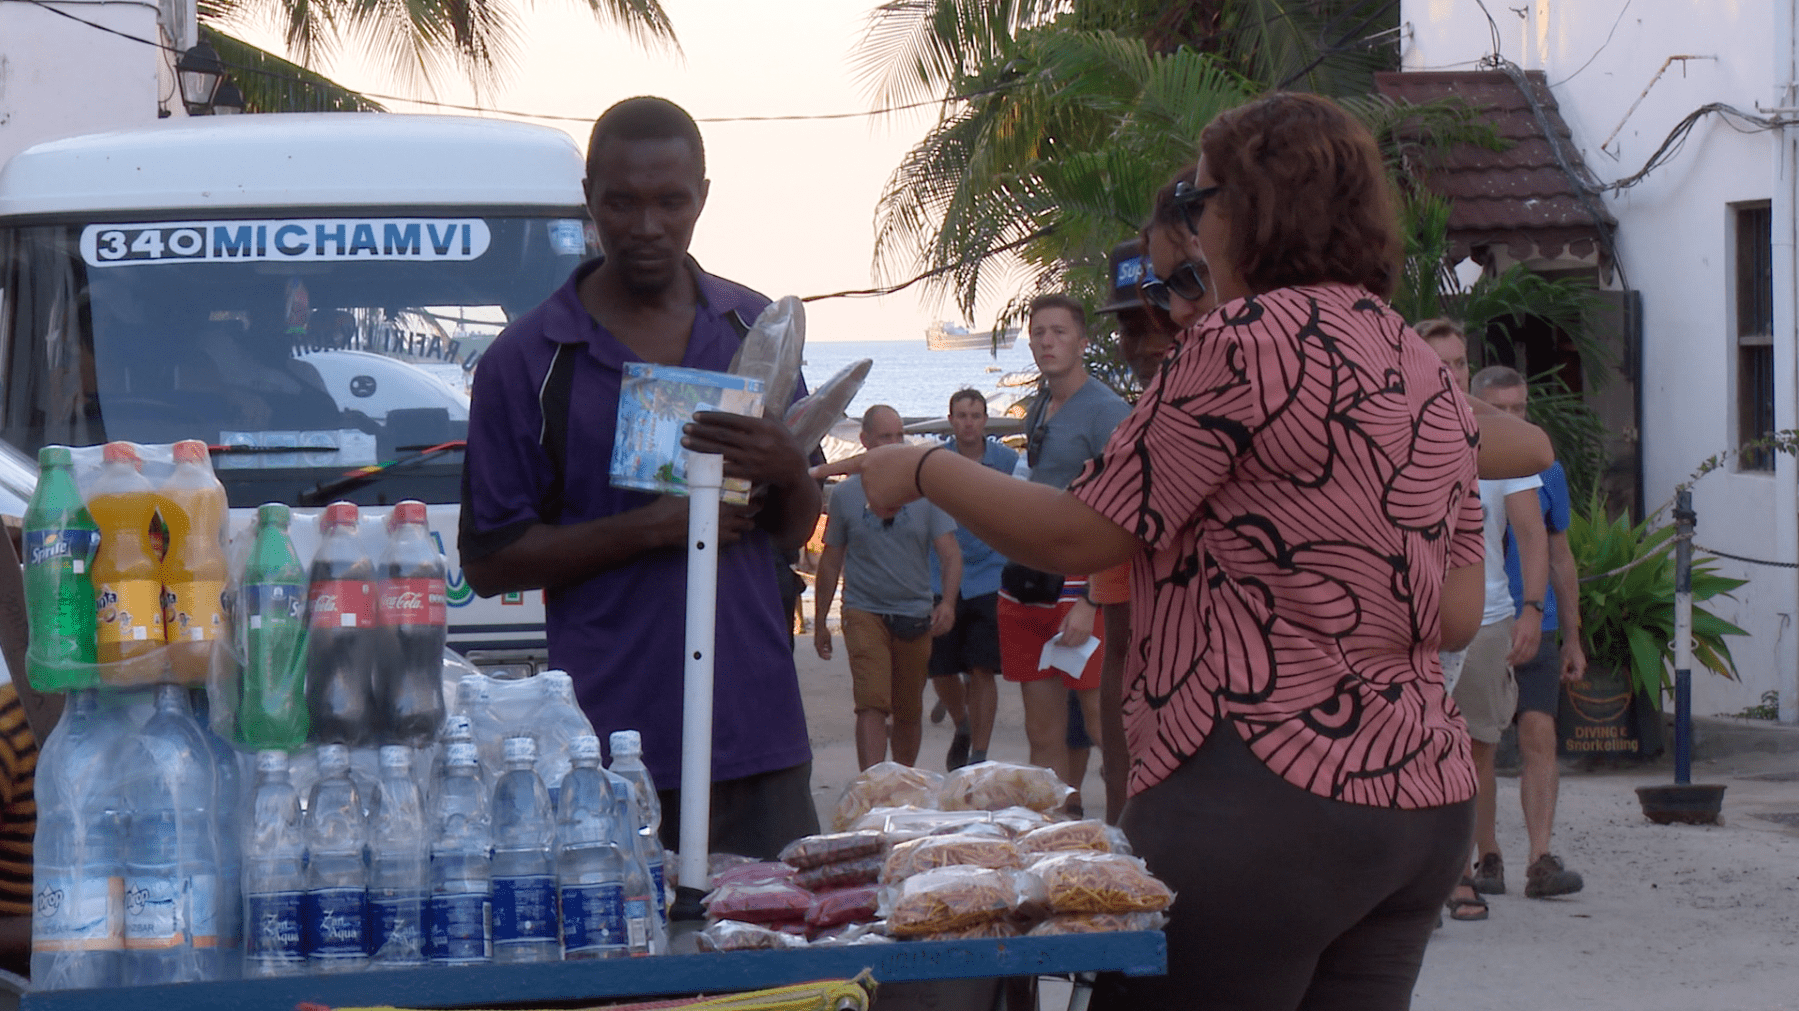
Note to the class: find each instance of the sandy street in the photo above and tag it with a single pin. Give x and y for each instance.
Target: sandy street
(1673, 918)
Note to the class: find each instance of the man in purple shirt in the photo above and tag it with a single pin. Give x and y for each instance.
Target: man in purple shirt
(611, 561)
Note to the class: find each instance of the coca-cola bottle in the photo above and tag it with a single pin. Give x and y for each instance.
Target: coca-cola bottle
(342, 637)
(409, 677)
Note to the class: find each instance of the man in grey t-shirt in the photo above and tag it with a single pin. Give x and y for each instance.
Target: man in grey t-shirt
(888, 615)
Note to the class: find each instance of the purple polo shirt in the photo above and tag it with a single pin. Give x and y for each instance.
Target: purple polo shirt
(620, 635)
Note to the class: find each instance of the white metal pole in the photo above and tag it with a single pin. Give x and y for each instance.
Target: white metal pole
(705, 474)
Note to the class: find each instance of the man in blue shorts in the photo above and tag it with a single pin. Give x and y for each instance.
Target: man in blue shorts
(612, 562)
(971, 646)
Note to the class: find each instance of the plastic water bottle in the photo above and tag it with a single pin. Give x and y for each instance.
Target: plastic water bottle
(60, 540)
(560, 721)
(171, 856)
(524, 876)
(227, 798)
(627, 761)
(397, 875)
(474, 698)
(460, 913)
(334, 916)
(643, 929)
(274, 882)
(590, 868)
(78, 874)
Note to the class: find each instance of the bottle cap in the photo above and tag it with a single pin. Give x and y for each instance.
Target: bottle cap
(521, 749)
(458, 727)
(460, 753)
(338, 514)
(407, 511)
(55, 456)
(333, 758)
(472, 688)
(396, 756)
(271, 761)
(192, 451)
(121, 452)
(626, 742)
(273, 514)
(586, 746)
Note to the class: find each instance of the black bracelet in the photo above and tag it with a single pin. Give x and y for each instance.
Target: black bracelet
(918, 472)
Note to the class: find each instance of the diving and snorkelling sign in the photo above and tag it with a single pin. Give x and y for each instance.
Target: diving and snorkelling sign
(296, 240)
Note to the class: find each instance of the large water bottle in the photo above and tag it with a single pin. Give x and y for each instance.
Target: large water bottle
(524, 876)
(644, 930)
(627, 762)
(228, 798)
(78, 873)
(560, 721)
(590, 868)
(397, 876)
(274, 882)
(334, 916)
(171, 855)
(460, 913)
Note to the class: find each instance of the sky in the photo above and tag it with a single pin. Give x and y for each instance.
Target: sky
(792, 204)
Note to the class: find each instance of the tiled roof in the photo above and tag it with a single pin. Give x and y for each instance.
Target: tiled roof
(1519, 197)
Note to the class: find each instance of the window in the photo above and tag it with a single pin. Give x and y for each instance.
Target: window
(1755, 333)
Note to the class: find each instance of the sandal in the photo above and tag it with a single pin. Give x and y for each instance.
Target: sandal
(1467, 910)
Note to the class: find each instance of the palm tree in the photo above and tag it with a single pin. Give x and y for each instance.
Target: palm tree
(415, 41)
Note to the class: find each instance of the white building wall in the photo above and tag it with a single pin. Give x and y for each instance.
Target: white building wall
(1674, 244)
(61, 78)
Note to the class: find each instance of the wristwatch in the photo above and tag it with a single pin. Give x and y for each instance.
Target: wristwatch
(1533, 603)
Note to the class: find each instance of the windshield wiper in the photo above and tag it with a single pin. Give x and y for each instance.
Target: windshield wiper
(326, 491)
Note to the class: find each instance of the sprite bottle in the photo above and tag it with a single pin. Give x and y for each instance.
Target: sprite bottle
(60, 541)
(272, 629)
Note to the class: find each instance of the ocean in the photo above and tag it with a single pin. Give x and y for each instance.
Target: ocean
(916, 381)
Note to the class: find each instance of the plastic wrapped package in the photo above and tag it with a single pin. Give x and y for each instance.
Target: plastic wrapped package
(995, 929)
(1100, 883)
(1019, 820)
(843, 874)
(991, 786)
(761, 902)
(718, 863)
(733, 935)
(772, 351)
(812, 416)
(1090, 835)
(885, 784)
(901, 824)
(816, 850)
(844, 905)
(753, 872)
(948, 898)
(961, 849)
(1098, 923)
(851, 933)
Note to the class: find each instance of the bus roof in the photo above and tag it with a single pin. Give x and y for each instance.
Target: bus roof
(296, 159)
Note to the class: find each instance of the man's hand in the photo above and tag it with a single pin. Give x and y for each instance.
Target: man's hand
(1527, 635)
(943, 617)
(821, 639)
(1077, 625)
(760, 450)
(1574, 659)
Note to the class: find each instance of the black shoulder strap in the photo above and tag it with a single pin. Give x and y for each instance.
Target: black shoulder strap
(552, 401)
(1033, 443)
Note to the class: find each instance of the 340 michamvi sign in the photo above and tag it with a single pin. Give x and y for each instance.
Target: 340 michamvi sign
(295, 239)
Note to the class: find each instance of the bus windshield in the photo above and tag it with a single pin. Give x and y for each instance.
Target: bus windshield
(302, 349)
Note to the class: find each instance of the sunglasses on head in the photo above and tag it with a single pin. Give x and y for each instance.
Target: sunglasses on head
(1185, 281)
(1190, 202)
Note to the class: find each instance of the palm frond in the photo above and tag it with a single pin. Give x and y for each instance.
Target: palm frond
(272, 84)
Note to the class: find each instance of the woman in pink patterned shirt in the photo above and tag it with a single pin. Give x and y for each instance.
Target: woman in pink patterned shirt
(1296, 491)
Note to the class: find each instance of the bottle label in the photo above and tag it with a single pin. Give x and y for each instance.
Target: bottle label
(396, 920)
(333, 923)
(78, 914)
(272, 606)
(203, 910)
(272, 926)
(342, 603)
(637, 924)
(413, 600)
(593, 918)
(153, 913)
(72, 551)
(194, 611)
(524, 909)
(128, 611)
(461, 928)
(660, 890)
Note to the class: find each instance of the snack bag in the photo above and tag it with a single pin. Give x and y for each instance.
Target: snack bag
(1100, 883)
(762, 902)
(990, 786)
(843, 905)
(949, 898)
(733, 935)
(843, 874)
(885, 784)
(817, 850)
(1098, 923)
(1089, 835)
(933, 851)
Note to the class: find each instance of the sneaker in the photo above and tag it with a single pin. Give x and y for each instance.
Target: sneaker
(1546, 876)
(958, 752)
(1489, 875)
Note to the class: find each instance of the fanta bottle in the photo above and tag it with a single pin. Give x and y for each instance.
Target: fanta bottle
(127, 573)
(192, 503)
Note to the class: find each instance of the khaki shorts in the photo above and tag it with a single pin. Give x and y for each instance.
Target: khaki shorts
(1486, 693)
(888, 674)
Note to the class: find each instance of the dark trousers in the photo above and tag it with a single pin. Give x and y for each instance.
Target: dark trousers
(753, 816)
(1284, 899)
